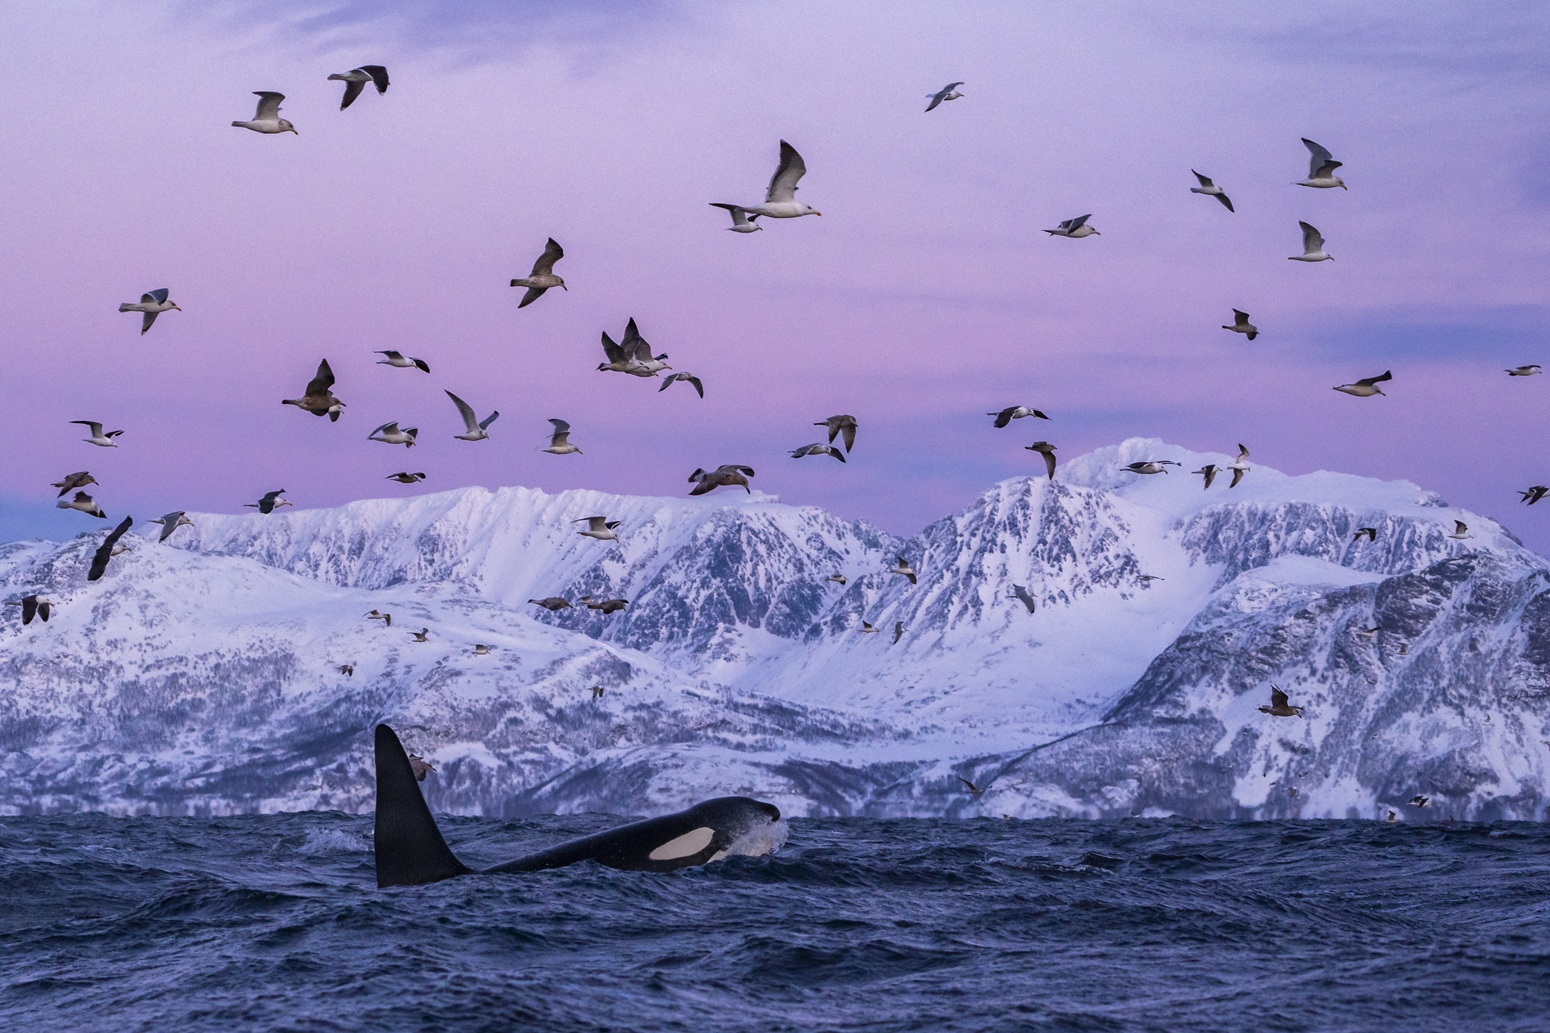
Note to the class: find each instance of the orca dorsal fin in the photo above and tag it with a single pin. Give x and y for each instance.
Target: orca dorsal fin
(408, 845)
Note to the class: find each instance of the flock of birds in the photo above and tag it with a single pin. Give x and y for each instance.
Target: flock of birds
(633, 355)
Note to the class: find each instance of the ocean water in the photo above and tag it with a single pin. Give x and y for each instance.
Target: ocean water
(275, 923)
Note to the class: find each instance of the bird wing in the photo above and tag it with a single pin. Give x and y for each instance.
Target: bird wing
(324, 380)
(146, 321)
(1326, 170)
(783, 185)
(532, 295)
(1226, 202)
(1311, 240)
(561, 434)
(1459, 527)
(1075, 224)
(699, 387)
(392, 355)
(169, 523)
(379, 76)
(93, 425)
(99, 559)
(352, 89)
(268, 105)
(158, 296)
(1209, 470)
(464, 410)
(611, 350)
(1277, 697)
(1239, 316)
(1317, 156)
(1204, 181)
(936, 98)
(545, 264)
(1049, 464)
(1237, 475)
(898, 631)
(484, 424)
(848, 429)
(1369, 381)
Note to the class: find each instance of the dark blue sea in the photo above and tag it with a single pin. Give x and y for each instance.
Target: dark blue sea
(177, 925)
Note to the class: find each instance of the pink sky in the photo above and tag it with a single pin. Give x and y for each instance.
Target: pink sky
(924, 297)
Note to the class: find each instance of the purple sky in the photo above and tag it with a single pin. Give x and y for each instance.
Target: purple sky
(924, 297)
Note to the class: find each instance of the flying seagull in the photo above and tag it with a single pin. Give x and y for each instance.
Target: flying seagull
(83, 503)
(405, 477)
(1524, 371)
(721, 477)
(1312, 247)
(378, 615)
(152, 303)
(1368, 386)
(355, 81)
(1280, 706)
(420, 767)
(542, 277)
(1321, 168)
(1241, 324)
(641, 362)
(867, 627)
(1239, 466)
(1534, 494)
(1210, 189)
(480, 649)
(838, 579)
(742, 222)
(552, 603)
(1370, 533)
(348, 670)
(403, 361)
(171, 522)
(475, 430)
(1209, 472)
(97, 437)
(780, 199)
(1460, 530)
(898, 632)
(1076, 227)
(1149, 466)
(269, 503)
(559, 441)
(33, 606)
(319, 398)
(605, 606)
(1047, 450)
(973, 789)
(389, 434)
(903, 568)
(688, 378)
(1021, 592)
(1016, 412)
(72, 481)
(948, 92)
(267, 118)
(599, 527)
(423, 635)
(818, 448)
(841, 425)
(107, 550)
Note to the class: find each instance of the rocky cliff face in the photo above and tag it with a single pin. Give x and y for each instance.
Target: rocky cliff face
(202, 675)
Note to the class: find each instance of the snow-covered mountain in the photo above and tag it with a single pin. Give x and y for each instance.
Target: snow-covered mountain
(202, 675)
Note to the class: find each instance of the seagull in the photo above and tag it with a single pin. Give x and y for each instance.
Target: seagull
(171, 522)
(319, 398)
(1209, 472)
(1016, 412)
(973, 789)
(1312, 246)
(480, 649)
(600, 528)
(721, 477)
(107, 550)
(780, 199)
(902, 567)
(605, 606)
(843, 424)
(867, 627)
(405, 477)
(1150, 466)
(1367, 387)
(348, 670)
(389, 434)
(378, 615)
(1048, 451)
(269, 503)
(542, 277)
(1280, 706)
(1241, 325)
(267, 118)
(1420, 801)
(948, 92)
(79, 479)
(818, 448)
(1524, 371)
(83, 503)
(420, 767)
(1210, 189)
(1076, 227)
(552, 603)
(152, 303)
(97, 437)
(1370, 533)
(619, 360)
(475, 431)
(742, 222)
(898, 632)
(1144, 578)
(1534, 494)
(1321, 168)
(1021, 592)
(33, 606)
(423, 635)
(597, 692)
(403, 361)
(355, 81)
(559, 441)
(1460, 530)
(638, 351)
(838, 579)
(1370, 632)
(688, 378)
(1239, 466)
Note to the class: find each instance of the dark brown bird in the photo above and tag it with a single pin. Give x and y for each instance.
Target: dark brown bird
(420, 766)
(72, 481)
(319, 398)
(107, 550)
(720, 477)
(404, 477)
(973, 789)
(1280, 706)
(553, 603)
(605, 605)
(378, 615)
(348, 670)
(1047, 450)
(597, 692)
(1370, 533)
(840, 425)
(33, 606)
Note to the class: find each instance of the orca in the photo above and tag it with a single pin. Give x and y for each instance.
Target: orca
(410, 850)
